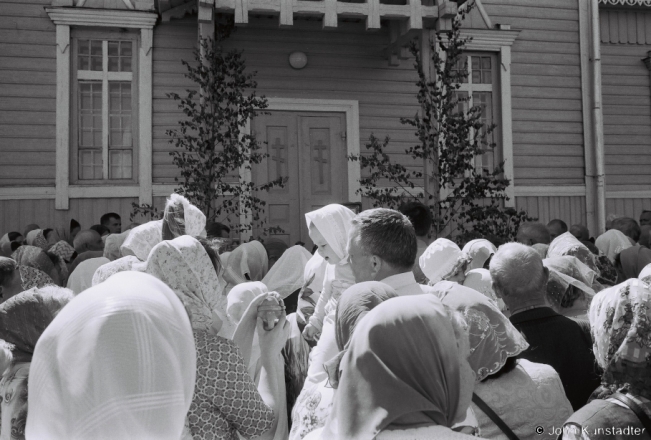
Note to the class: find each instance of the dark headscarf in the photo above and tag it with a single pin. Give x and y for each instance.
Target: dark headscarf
(24, 317)
(354, 304)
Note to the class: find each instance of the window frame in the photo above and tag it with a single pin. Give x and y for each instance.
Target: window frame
(104, 35)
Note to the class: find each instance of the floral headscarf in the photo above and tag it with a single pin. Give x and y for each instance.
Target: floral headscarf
(333, 222)
(493, 339)
(247, 259)
(63, 233)
(442, 259)
(286, 276)
(620, 318)
(479, 251)
(191, 222)
(142, 240)
(186, 268)
(123, 264)
(63, 250)
(568, 244)
(36, 238)
(34, 278)
(612, 242)
(645, 274)
(25, 316)
(33, 256)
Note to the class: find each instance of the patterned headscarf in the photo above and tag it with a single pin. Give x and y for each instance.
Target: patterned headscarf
(568, 244)
(33, 256)
(402, 367)
(25, 316)
(612, 242)
(192, 222)
(620, 318)
(119, 361)
(248, 258)
(34, 278)
(186, 268)
(645, 274)
(63, 250)
(142, 240)
(63, 233)
(286, 276)
(123, 264)
(442, 259)
(493, 339)
(333, 222)
(479, 251)
(569, 279)
(36, 238)
(481, 281)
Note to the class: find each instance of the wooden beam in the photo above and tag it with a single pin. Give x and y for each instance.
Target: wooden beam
(286, 13)
(63, 118)
(145, 110)
(206, 11)
(330, 15)
(180, 11)
(416, 15)
(447, 13)
(241, 12)
(373, 18)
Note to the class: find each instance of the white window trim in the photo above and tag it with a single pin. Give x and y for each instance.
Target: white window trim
(63, 18)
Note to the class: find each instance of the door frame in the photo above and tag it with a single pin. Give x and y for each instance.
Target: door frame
(349, 107)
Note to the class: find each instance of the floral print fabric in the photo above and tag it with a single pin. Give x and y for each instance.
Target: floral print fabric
(226, 401)
(120, 265)
(311, 409)
(13, 406)
(620, 318)
(142, 240)
(34, 278)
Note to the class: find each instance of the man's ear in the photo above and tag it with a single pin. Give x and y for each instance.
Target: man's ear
(376, 264)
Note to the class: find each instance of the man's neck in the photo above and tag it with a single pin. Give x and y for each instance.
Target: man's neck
(523, 306)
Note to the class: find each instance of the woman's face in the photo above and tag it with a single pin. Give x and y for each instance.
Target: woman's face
(324, 248)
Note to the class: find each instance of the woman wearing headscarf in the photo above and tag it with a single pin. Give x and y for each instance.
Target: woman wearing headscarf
(645, 274)
(66, 234)
(117, 362)
(620, 318)
(82, 277)
(479, 251)
(113, 243)
(124, 264)
(180, 217)
(313, 277)
(12, 237)
(405, 374)
(23, 318)
(444, 261)
(522, 394)
(568, 244)
(275, 248)
(314, 404)
(631, 261)
(569, 288)
(36, 238)
(35, 257)
(612, 242)
(481, 281)
(247, 262)
(286, 276)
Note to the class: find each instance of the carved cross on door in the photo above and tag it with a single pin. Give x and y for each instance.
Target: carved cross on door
(278, 156)
(320, 147)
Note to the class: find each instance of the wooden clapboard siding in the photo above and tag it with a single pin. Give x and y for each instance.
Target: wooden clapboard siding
(569, 209)
(346, 64)
(27, 95)
(627, 115)
(16, 214)
(628, 207)
(546, 93)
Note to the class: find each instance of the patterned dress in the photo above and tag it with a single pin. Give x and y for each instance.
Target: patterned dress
(13, 406)
(226, 401)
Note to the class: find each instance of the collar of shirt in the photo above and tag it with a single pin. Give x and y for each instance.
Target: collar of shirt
(403, 283)
(532, 313)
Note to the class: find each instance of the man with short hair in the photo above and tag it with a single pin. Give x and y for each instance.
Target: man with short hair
(520, 279)
(11, 282)
(645, 218)
(580, 232)
(88, 241)
(531, 233)
(382, 247)
(556, 227)
(112, 221)
(628, 227)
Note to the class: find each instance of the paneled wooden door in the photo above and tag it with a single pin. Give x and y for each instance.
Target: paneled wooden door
(310, 149)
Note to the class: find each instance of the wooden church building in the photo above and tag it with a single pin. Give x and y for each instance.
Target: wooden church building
(83, 106)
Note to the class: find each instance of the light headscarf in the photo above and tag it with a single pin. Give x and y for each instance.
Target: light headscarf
(248, 258)
(479, 251)
(36, 238)
(313, 277)
(142, 240)
(541, 248)
(241, 296)
(113, 243)
(645, 274)
(63, 250)
(82, 277)
(619, 318)
(441, 259)
(481, 281)
(33, 256)
(31, 277)
(569, 279)
(633, 260)
(493, 339)
(25, 316)
(286, 276)
(612, 242)
(354, 304)
(5, 239)
(333, 222)
(123, 264)
(118, 361)
(186, 268)
(401, 368)
(192, 222)
(568, 244)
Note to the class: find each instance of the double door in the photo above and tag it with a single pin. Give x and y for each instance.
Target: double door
(310, 150)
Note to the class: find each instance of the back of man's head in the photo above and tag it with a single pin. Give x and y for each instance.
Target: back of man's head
(88, 240)
(556, 227)
(112, 221)
(629, 227)
(580, 232)
(531, 233)
(7, 268)
(389, 235)
(420, 217)
(518, 275)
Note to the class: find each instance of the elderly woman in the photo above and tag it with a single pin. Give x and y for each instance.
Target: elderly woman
(569, 288)
(479, 251)
(46, 262)
(15, 279)
(522, 394)
(315, 401)
(620, 318)
(23, 319)
(117, 362)
(405, 374)
(188, 267)
(444, 261)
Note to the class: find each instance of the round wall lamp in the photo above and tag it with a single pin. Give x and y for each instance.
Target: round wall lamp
(297, 60)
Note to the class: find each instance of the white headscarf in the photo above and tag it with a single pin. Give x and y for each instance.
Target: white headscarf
(479, 250)
(313, 277)
(184, 266)
(612, 242)
(193, 222)
(333, 222)
(118, 361)
(123, 264)
(248, 258)
(481, 281)
(645, 274)
(142, 239)
(241, 296)
(82, 277)
(286, 276)
(113, 243)
(440, 260)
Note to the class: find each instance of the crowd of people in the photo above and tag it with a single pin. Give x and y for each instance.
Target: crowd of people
(156, 331)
